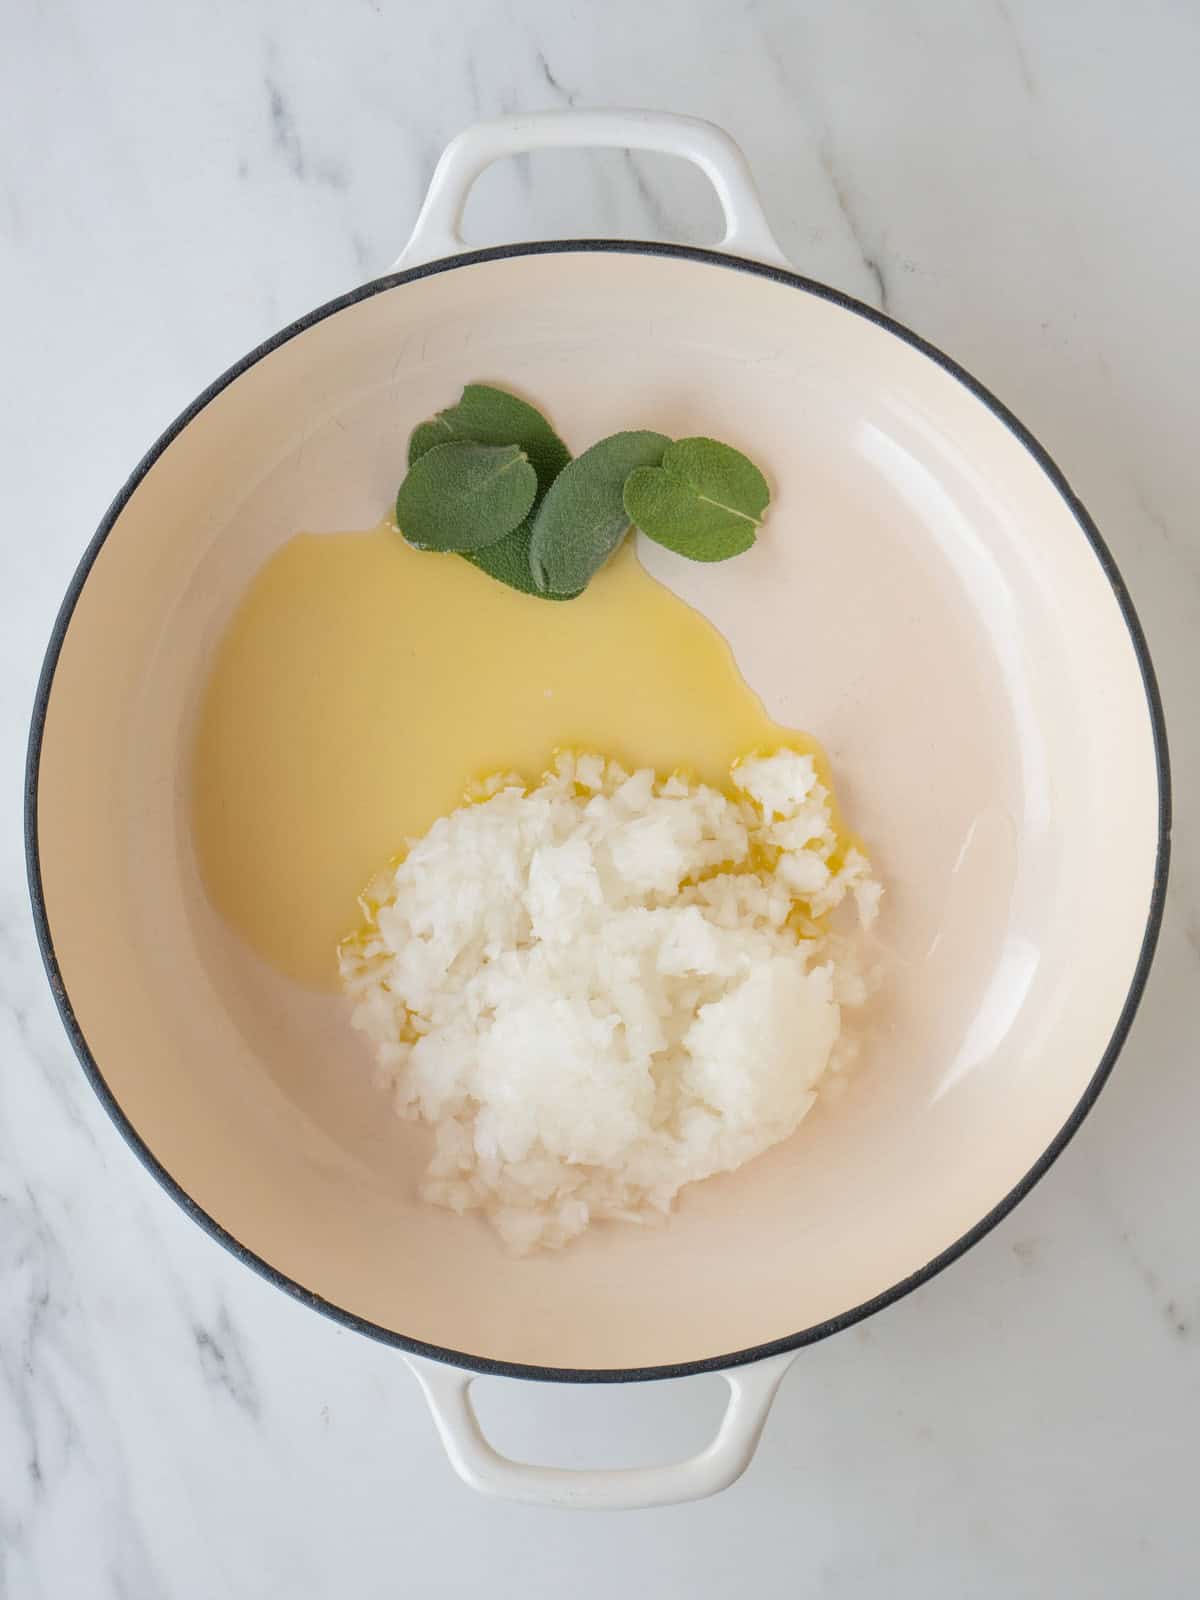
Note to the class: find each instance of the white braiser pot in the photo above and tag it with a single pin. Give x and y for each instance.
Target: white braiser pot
(929, 598)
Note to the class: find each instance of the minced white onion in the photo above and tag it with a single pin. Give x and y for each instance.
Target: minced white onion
(600, 989)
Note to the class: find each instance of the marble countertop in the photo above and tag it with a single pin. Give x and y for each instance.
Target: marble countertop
(1018, 182)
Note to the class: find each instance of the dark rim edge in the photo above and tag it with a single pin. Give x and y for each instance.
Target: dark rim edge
(832, 1325)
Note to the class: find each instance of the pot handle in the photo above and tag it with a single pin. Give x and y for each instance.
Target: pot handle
(751, 1391)
(747, 232)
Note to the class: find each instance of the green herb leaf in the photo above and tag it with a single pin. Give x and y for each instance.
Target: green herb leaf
(426, 436)
(492, 416)
(704, 501)
(583, 518)
(508, 561)
(462, 496)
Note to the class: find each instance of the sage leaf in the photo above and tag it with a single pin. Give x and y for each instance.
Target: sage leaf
(508, 561)
(583, 518)
(705, 500)
(462, 496)
(426, 436)
(493, 416)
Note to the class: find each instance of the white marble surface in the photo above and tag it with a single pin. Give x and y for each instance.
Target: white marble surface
(1017, 181)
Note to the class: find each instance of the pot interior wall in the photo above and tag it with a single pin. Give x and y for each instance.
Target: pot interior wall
(923, 600)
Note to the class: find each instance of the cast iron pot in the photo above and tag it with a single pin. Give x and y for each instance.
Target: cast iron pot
(929, 598)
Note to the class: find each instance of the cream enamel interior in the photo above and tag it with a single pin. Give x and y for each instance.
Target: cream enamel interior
(923, 601)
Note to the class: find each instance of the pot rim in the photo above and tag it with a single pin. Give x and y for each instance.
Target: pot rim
(832, 1325)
